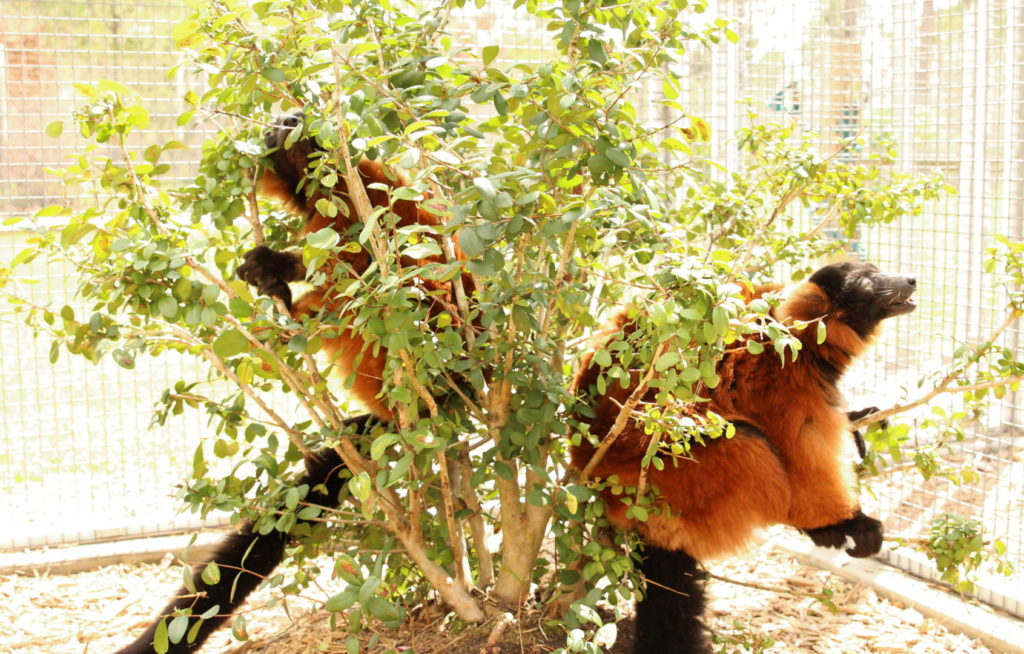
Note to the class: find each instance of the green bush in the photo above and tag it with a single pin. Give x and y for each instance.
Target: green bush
(565, 203)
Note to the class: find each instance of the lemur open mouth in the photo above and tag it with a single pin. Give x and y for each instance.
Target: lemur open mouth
(901, 301)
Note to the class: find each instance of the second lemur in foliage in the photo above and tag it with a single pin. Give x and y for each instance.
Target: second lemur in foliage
(246, 558)
(270, 271)
(788, 462)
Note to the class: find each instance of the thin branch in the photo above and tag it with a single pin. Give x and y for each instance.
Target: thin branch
(790, 195)
(563, 265)
(253, 215)
(452, 591)
(293, 435)
(945, 385)
(769, 589)
(505, 620)
(625, 414)
(157, 222)
(477, 528)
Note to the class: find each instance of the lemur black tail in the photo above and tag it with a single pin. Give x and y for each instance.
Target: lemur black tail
(668, 619)
(246, 558)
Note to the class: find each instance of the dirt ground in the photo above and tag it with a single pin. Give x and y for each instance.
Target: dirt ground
(97, 611)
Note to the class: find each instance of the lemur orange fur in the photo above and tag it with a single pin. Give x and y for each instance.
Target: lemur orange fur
(348, 351)
(796, 471)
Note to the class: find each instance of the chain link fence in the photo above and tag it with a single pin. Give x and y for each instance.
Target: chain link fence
(944, 79)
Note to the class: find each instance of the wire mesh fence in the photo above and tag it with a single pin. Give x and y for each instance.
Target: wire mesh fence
(945, 82)
(78, 460)
(943, 79)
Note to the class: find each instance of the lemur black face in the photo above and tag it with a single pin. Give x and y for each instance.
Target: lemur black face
(863, 295)
(282, 127)
(289, 163)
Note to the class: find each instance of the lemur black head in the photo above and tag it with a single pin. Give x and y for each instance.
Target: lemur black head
(863, 296)
(290, 162)
(282, 128)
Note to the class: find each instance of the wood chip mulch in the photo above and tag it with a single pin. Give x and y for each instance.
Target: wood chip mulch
(98, 611)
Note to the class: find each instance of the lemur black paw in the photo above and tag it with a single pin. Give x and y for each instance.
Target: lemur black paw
(858, 438)
(269, 271)
(865, 531)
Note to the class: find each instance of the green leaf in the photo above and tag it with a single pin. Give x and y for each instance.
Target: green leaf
(210, 293)
(384, 611)
(74, 232)
(238, 628)
(503, 470)
(666, 361)
(470, 242)
(342, 601)
(327, 208)
(211, 574)
(160, 642)
(500, 104)
(229, 343)
(323, 238)
(527, 198)
(176, 630)
(239, 307)
(182, 289)
(423, 250)
(193, 632)
(381, 444)
(273, 74)
(185, 33)
(822, 333)
(485, 186)
(52, 210)
(596, 51)
(137, 116)
(55, 129)
(168, 307)
(617, 157)
(360, 486)
(599, 164)
(291, 498)
(489, 53)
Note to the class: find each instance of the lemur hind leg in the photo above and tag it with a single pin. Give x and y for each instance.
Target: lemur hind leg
(668, 619)
(245, 558)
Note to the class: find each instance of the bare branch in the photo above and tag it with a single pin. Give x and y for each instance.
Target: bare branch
(945, 385)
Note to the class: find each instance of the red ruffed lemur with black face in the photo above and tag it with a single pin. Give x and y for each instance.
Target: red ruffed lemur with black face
(789, 461)
(271, 271)
(245, 557)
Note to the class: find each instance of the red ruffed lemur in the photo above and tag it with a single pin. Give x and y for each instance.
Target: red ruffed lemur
(788, 461)
(271, 271)
(244, 557)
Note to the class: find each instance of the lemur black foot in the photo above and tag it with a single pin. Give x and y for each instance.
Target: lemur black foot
(866, 532)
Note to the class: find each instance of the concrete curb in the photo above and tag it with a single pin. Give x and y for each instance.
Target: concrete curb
(1001, 632)
(80, 558)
